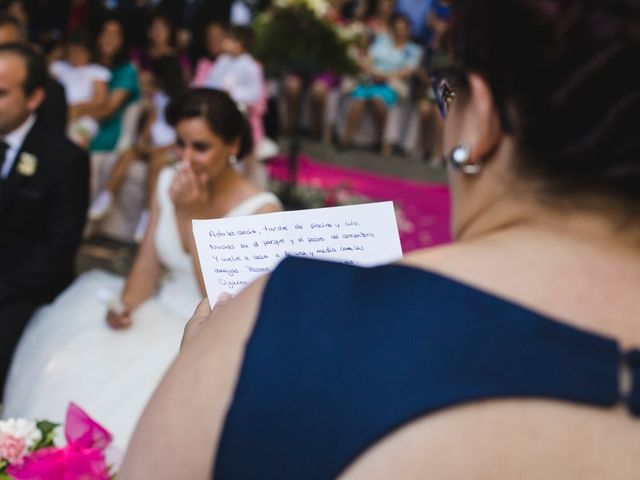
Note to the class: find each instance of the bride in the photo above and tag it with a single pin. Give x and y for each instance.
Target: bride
(110, 368)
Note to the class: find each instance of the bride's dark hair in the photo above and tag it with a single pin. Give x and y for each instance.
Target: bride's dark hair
(564, 69)
(218, 110)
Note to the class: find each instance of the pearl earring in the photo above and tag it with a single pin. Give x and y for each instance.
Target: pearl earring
(460, 158)
(233, 160)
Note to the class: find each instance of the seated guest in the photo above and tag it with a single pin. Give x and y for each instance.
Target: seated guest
(74, 349)
(161, 42)
(44, 188)
(85, 85)
(321, 85)
(123, 88)
(512, 353)
(393, 59)
(416, 11)
(214, 34)
(240, 75)
(379, 22)
(52, 113)
(155, 140)
(236, 71)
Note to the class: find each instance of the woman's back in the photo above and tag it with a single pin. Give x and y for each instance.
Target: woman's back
(458, 345)
(498, 438)
(590, 285)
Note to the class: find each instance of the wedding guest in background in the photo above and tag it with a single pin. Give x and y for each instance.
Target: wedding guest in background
(240, 75)
(236, 71)
(379, 22)
(18, 10)
(393, 59)
(76, 345)
(321, 85)
(155, 140)
(52, 113)
(44, 183)
(435, 55)
(416, 11)
(512, 353)
(213, 36)
(124, 87)
(161, 42)
(85, 84)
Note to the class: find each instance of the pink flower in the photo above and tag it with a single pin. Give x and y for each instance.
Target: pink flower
(68, 463)
(83, 456)
(12, 448)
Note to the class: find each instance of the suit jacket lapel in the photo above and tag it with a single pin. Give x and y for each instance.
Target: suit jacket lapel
(15, 178)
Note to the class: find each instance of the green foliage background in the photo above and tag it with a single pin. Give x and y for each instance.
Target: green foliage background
(293, 39)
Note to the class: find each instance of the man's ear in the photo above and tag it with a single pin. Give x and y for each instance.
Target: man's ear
(36, 99)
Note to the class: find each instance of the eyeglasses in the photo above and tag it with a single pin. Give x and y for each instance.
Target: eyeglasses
(445, 83)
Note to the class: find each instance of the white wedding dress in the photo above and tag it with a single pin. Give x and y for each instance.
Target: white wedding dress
(69, 353)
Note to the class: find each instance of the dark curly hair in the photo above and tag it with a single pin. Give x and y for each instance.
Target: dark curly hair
(564, 70)
(218, 110)
(168, 73)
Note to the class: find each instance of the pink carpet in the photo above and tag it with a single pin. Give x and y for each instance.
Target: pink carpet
(422, 210)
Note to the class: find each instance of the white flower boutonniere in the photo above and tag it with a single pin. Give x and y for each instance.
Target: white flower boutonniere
(27, 164)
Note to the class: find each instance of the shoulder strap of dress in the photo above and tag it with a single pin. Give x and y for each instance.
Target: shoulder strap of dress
(164, 184)
(253, 204)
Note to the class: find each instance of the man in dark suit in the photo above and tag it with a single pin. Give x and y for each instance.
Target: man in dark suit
(44, 189)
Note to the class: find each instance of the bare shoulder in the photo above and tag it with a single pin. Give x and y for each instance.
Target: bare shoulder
(186, 413)
(250, 189)
(269, 208)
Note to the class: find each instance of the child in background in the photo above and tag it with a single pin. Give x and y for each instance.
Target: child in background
(85, 84)
(156, 138)
(236, 71)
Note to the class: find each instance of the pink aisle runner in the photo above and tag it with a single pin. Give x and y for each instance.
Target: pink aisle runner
(422, 210)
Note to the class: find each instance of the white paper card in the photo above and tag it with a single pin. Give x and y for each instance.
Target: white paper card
(234, 251)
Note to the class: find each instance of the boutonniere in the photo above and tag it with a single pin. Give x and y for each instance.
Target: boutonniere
(27, 164)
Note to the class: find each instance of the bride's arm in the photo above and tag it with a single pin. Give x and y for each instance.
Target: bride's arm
(186, 414)
(142, 281)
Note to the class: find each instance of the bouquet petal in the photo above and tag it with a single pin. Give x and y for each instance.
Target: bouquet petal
(82, 431)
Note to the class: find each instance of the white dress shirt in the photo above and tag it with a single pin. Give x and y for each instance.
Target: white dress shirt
(15, 140)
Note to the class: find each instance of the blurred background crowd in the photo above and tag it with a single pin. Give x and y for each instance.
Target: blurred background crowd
(121, 62)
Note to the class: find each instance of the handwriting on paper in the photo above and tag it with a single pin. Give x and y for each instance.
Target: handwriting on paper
(234, 251)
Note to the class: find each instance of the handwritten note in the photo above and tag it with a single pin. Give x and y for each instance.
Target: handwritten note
(234, 251)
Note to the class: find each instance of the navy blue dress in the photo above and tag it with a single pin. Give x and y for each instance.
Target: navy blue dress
(341, 356)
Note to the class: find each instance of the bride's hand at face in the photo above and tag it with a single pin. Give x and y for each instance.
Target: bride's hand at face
(189, 191)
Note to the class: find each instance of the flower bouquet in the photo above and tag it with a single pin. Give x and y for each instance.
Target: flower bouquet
(27, 450)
